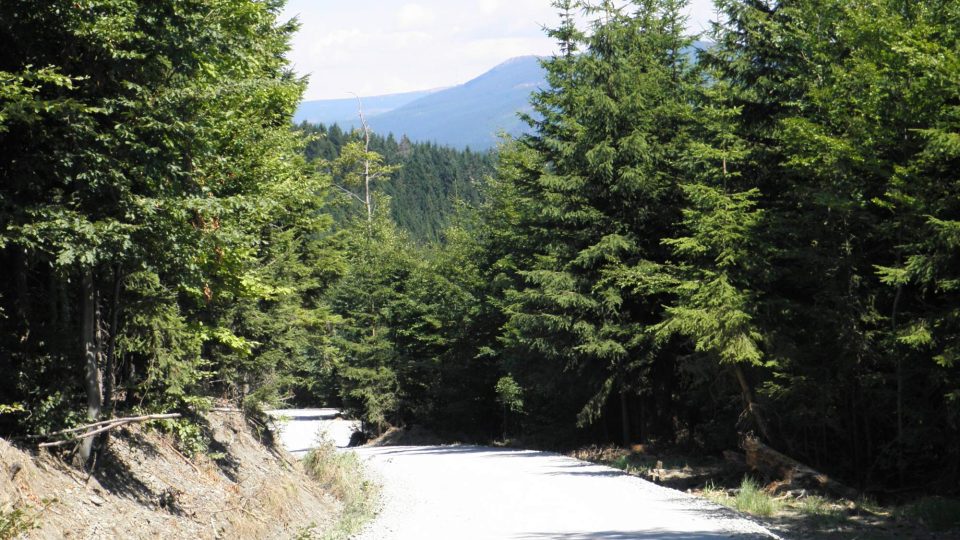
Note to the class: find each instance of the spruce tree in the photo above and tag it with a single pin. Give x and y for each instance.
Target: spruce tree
(604, 188)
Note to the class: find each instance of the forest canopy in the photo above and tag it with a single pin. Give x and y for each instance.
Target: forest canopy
(694, 243)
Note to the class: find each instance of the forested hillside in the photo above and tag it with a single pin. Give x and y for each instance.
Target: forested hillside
(428, 185)
(761, 242)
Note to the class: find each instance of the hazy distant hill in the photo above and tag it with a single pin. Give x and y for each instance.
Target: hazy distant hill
(467, 115)
(344, 111)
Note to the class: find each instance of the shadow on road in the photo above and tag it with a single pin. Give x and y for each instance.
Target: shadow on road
(627, 535)
(451, 450)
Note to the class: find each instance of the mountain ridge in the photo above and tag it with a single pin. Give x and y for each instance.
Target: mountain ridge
(469, 115)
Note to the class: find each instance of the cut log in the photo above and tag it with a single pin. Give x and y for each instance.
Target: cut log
(791, 473)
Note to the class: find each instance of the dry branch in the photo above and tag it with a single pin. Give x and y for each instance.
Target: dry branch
(102, 426)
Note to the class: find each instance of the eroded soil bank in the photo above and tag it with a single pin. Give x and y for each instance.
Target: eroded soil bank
(144, 487)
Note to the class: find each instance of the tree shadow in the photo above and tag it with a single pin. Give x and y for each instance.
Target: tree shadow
(598, 474)
(453, 450)
(633, 535)
(116, 478)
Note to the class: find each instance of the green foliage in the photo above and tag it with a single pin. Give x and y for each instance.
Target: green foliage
(153, 157)
(190, 436)
(510, 394)
(12, 408)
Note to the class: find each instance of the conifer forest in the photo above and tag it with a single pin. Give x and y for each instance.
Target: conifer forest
(754, 231)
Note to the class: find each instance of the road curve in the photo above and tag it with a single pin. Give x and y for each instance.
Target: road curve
(470, 492)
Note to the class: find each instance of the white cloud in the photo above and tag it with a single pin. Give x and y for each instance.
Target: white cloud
(500, 49)
(386, 46)
(415, 16)
(488, 7)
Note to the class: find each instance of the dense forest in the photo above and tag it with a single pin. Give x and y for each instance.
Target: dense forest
(762, 239)
(428, 182)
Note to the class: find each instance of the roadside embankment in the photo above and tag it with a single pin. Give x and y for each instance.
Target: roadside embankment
(145, 485)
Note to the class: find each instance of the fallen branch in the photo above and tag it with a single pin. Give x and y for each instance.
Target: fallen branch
(761, 457)
(185, 458)
(104, 426)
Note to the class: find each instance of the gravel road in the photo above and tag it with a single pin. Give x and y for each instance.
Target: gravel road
(469, 492)
(301, 429)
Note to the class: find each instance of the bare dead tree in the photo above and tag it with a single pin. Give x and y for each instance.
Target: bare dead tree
(366, 158)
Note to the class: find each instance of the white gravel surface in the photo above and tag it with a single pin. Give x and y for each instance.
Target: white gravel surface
(300, 430)
(468, 492)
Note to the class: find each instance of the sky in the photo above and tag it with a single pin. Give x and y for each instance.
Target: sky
(376, 47)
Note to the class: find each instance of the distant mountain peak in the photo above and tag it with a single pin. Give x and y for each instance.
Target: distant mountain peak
(467, 115)
(519, 60)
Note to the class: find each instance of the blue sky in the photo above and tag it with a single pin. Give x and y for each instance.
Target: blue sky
(374, 47)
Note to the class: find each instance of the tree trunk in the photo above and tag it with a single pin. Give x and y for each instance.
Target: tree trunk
(91, 356)
(625, 419)
(366, 163)
(752, 409)
(893, 329)
(110, 381)
(21, 270)
(366, 181)
(66, 320)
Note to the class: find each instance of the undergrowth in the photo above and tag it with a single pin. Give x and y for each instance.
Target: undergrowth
(342, 475)
(15, 522)
(936, 513)
(820, 511)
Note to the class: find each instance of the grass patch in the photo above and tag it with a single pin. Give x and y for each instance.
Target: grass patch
(753, 500)
(749, 498)
(342, 475)
(936, 513)
(820, 511)
(716, 495)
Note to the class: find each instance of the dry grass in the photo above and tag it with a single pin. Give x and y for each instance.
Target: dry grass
(342, 475)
